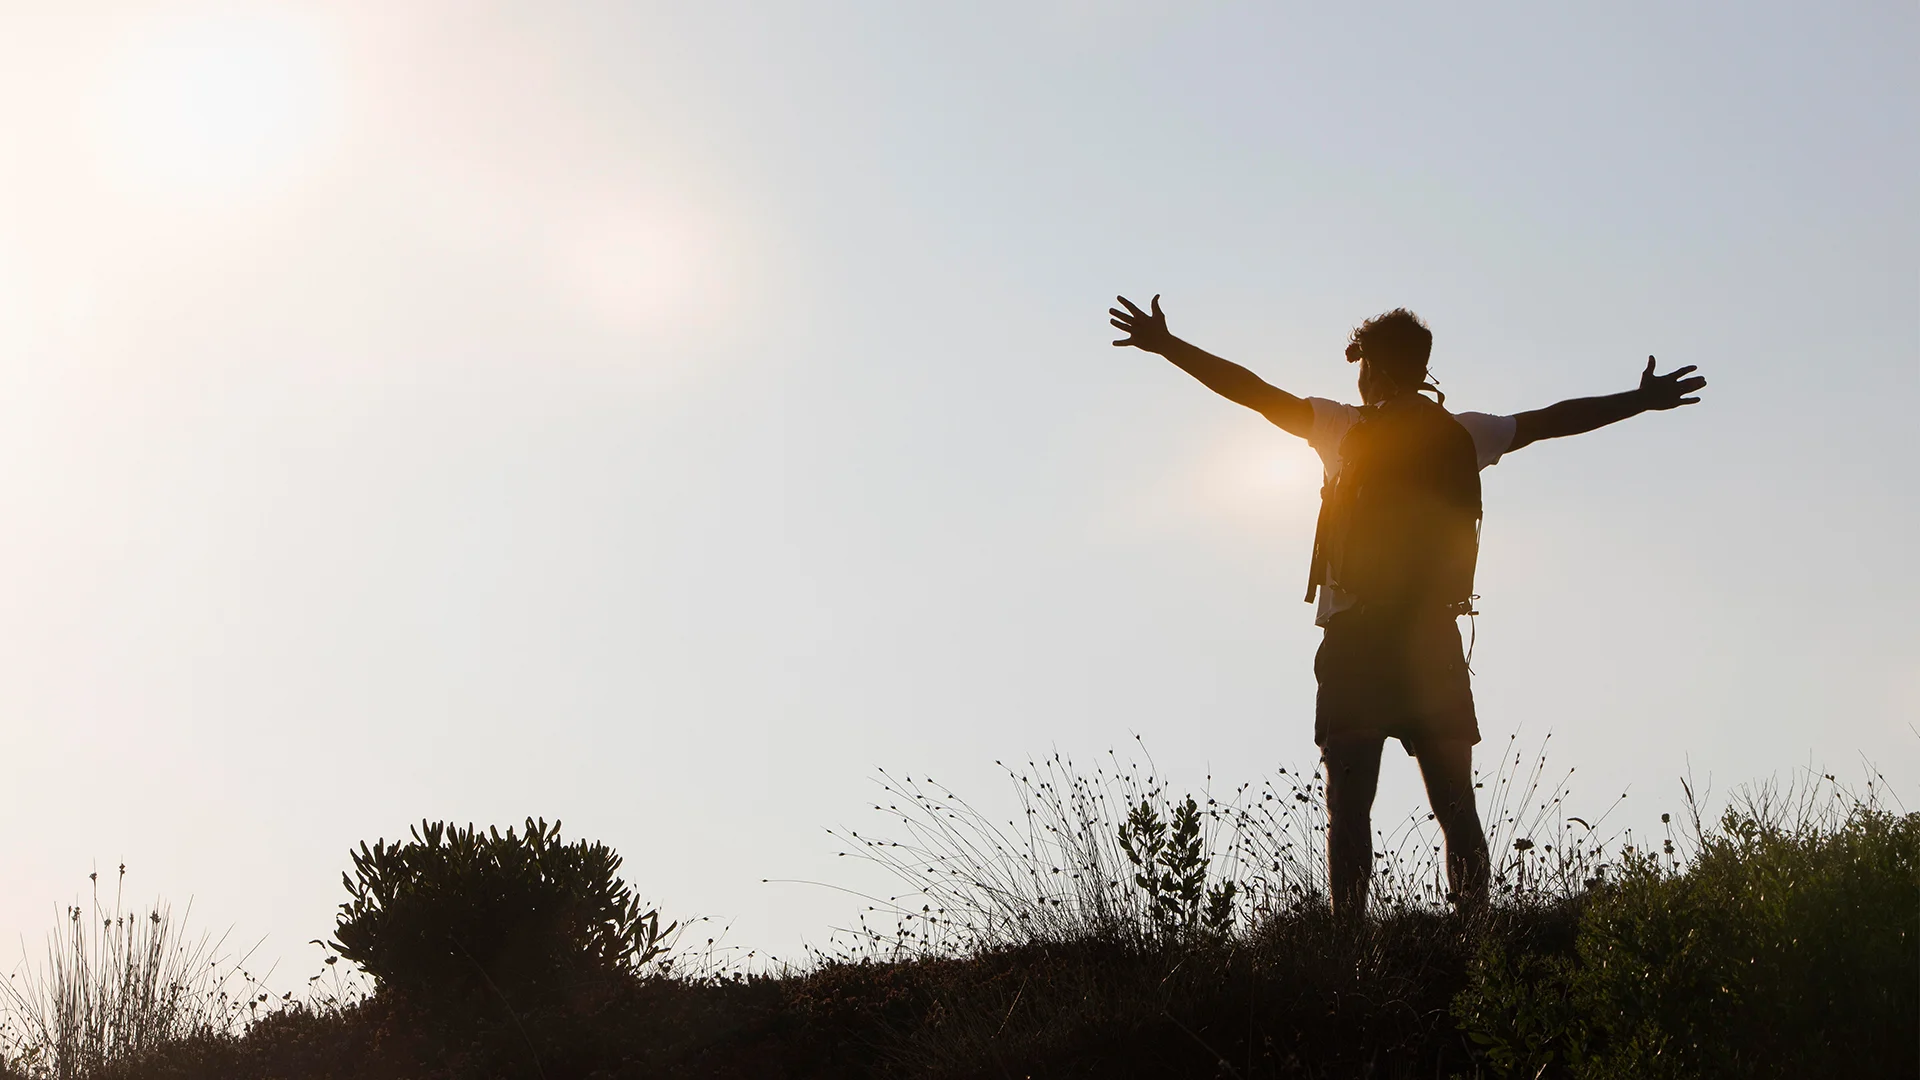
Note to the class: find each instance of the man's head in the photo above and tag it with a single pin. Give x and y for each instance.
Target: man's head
(1392, 350)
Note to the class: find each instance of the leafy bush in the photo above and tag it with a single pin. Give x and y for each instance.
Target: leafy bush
(456, 914)
(1783, 948)
(1171, 868)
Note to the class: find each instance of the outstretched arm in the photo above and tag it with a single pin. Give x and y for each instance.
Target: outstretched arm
(1148, 330)
(1579, 415)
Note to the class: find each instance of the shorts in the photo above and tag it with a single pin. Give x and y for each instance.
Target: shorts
(1393, 675)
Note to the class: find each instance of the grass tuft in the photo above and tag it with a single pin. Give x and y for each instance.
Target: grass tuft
(1068, 866)
(116, 983)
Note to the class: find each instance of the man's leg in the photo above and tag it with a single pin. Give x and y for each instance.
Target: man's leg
(1447, 767)
(1352, 767)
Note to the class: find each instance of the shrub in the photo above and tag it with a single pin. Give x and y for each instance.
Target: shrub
(457, 914)
(1171, 868)
(1783, 948)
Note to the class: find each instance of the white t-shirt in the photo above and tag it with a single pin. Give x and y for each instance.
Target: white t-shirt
(1492, 435)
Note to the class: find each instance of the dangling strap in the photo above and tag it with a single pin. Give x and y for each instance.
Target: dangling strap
(1473, 637)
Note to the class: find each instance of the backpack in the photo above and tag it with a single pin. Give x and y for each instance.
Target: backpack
(1399, 526)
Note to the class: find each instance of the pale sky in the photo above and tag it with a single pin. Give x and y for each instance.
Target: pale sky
(660, 417)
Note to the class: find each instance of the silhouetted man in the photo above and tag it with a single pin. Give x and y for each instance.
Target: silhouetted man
(1393, 564)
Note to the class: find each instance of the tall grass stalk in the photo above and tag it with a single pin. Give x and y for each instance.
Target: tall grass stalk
(1058, 871)
(116, 983)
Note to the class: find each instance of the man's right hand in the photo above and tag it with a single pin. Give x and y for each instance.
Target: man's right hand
(1148, 330)
(1144, 329)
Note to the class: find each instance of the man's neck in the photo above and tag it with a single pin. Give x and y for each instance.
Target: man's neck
(1396, 395)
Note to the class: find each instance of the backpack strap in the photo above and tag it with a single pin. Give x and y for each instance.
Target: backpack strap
(1317, 567)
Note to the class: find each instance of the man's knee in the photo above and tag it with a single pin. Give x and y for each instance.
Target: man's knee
(1352, 764)
(1458, 823)
(1457, 815)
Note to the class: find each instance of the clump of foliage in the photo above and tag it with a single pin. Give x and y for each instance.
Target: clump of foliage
(457, 915)
(117, 983)
(1783, 946)
(1171, 868)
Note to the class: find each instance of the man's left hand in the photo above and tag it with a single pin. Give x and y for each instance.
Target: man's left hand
(1668, 391)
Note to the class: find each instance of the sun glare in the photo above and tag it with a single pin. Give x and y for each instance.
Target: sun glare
(1247, 475)
(1262, 467)
(217, 105)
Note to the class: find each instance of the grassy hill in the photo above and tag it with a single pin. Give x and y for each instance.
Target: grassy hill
(1780, 940)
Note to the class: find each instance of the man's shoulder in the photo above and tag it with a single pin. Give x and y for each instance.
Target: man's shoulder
(1331, 420)
(1479, 421)
(1332, 407)
(1492, 434)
